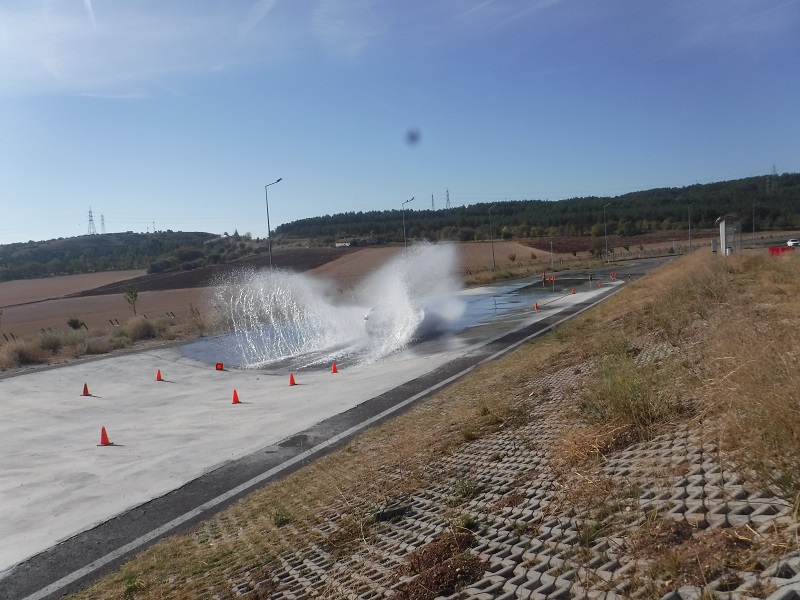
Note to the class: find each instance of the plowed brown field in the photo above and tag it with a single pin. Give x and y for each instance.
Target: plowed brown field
(28, 306)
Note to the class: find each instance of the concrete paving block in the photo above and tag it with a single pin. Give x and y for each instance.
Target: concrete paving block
(787, 592)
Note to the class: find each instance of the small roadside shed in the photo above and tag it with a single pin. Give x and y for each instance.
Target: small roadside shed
(730, 233)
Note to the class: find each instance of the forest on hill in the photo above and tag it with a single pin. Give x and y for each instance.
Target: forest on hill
(774, 201)
(157, 252)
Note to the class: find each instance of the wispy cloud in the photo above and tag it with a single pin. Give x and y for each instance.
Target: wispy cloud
(347, 27)
(257, 13)
(475, 8)
(496, 14)
(130, 47)
(708, 22)
(90, 10)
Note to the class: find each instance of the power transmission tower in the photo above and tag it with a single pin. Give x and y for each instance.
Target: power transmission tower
(92, 230)
(432, 206)
(447, 205)
(102, 224)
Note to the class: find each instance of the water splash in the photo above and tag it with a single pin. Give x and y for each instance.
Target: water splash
(278, 315)
(413, 296)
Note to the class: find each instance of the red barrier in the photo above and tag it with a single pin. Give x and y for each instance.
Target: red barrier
(778, 250)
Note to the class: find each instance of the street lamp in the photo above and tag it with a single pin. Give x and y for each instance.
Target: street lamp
(403, 208)
(269, 230)
(491, 237)
(689, 211)
(754, 222)
(605, 229)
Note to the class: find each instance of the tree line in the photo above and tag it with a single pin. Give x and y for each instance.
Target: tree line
(774, 201)
(156, 252)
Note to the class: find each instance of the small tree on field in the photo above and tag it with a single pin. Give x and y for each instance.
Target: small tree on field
(131, 293)
(512, 257)
(74, 323)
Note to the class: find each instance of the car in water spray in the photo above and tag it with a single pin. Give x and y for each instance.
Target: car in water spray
(412, 321)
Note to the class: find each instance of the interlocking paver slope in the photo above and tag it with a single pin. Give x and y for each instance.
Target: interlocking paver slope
(537, 541)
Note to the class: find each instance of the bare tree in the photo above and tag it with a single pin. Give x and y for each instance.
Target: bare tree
(131, 293)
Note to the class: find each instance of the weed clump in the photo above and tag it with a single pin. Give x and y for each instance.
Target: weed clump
(281, 516)
(139, 328)
(626, 394)
(49, 342)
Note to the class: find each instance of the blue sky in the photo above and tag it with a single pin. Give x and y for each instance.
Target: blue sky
(178, 113)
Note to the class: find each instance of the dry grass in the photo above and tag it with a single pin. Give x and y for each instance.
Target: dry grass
(731, 326)
(61, 346)
(524, 268)
(752, 371)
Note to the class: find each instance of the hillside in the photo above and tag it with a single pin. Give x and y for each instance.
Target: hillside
(156, 252)
(774, 201)
(585, 225)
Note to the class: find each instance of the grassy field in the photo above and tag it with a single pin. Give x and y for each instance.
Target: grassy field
(729, 331)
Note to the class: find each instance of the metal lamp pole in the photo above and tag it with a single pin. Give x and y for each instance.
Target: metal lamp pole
(403, 208)
(754, 222)
(689, 210)
(605, 229)
(269, 229)
(491, 237)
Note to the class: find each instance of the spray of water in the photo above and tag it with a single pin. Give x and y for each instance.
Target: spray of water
(278, 315)
(413, 296)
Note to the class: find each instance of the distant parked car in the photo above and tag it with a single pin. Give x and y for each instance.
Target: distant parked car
(793, 243)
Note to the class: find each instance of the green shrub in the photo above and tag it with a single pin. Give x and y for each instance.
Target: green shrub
(50, 342)
(281, 516)
(75, 323)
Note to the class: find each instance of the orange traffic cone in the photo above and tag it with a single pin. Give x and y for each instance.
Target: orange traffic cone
(536, 306)
(85, 390)
(235, 398)
(291, 379)
(573, 291)
(333, 368)
(104, 438)
(158, 376)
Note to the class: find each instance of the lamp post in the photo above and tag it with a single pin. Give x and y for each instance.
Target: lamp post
(605, 229)
(689, 211)
(754, 222)
(403, 208)
(269, 229)
(491, 237)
